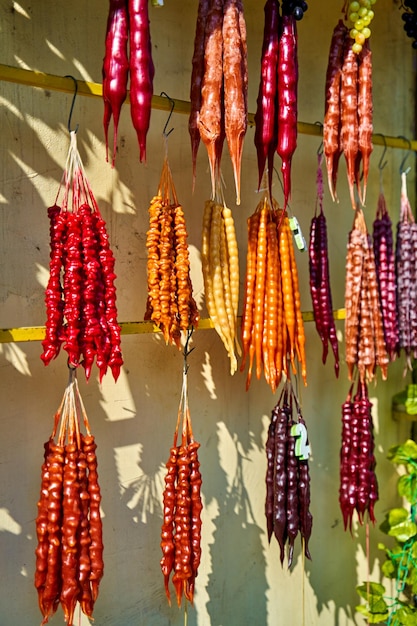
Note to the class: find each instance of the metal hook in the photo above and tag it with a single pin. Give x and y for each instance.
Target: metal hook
(72, 103)
(172, 102)
(402, 170)
(381, 163)
(187, 351)
(320, 149)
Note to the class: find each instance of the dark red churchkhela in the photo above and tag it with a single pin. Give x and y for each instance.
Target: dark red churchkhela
(287, 99)
(142, 71)
(319, 276)
(115, 68)
(265, 117)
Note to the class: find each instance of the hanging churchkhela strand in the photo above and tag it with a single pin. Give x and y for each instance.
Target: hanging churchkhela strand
(69, 553)
(220, 269)
(219, 88)
(276, 106)
(128, 53)
(182, 504)
(364, 332)
(348, 114)
(385, 269)
(272, 327)
(170, 303)
(287, 502)
(358, 483)
(319, 276)
(406, 274)
(80, 295)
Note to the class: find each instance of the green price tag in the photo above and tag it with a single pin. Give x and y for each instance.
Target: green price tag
(302, 448)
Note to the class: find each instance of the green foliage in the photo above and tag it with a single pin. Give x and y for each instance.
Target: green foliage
(401, 560)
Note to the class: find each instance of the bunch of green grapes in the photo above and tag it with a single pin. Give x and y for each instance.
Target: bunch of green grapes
(360, 15)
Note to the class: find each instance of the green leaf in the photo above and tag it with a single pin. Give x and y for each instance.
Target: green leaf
(407, 487)
(372, 618)
(371, 589)
(405, 615)
(412, 577)
(404, 486)
(388, 569)
(402, 453)
(397, 516)
(403, 531)
(411, 401)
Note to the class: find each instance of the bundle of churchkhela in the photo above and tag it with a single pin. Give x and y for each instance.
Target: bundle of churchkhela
(182, 504)
(219, 85)
(364, 331)
(277, 104)
(358, 483)
(348, 117)
(384, 253)
(81, 294)
(406, 275)
(220, 268)
(128, 53)
(319, 276)
(170, 303)
(272, 328)
(287, 503)
(69, 553)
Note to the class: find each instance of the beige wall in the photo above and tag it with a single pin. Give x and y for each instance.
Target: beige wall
(240, 579)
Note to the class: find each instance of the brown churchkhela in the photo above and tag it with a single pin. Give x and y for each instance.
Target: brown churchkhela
(348, 112)
(364, 332)
(69, 553)
(223, 106)
(182, 505)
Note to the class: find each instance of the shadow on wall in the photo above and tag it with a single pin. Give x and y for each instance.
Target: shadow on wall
(133, 433)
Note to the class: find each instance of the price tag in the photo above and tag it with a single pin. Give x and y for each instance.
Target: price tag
(300, 242)
(302, 448)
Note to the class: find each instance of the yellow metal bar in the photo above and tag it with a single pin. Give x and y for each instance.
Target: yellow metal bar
(37, 333)
(34, 78)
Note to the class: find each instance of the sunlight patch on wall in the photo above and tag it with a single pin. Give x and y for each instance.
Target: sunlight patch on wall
(84, 73)
(207, 375)
(117, 404)
(196, 276)
(12, 108)
(227, 452)
(16, 357)
(7, 523)
(42, 275)
(19, 9)
(21, 63)
(54, 49)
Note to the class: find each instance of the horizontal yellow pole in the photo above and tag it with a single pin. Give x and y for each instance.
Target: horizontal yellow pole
(34, 78)
(37, 333)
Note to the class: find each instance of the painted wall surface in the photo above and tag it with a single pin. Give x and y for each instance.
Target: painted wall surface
(240, 579)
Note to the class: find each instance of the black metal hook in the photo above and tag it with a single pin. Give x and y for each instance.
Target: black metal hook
(72, 103)
(381, 163)
(402, 170)
(187, 351)
(320, 149)
(172, 102)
